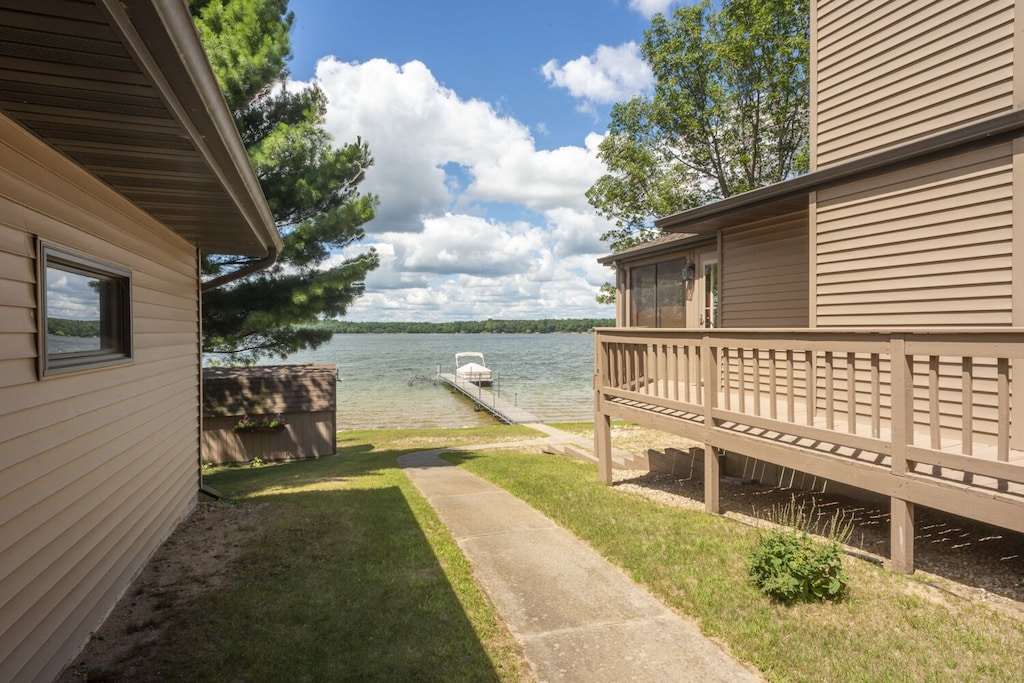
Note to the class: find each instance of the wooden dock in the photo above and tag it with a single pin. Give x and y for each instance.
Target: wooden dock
(486, 399)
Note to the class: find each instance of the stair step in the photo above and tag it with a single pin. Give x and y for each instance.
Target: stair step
(679, 463)
(579, 453)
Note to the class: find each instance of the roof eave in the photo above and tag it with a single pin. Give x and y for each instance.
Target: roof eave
(655, 248)
(164, 42)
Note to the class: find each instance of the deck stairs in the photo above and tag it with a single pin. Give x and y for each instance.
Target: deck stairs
(681, 463)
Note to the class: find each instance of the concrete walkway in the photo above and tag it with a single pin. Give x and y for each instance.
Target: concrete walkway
(577, 617)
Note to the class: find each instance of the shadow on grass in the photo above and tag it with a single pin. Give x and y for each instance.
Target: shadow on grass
(460, 457)
(351, 461)
(345, 585)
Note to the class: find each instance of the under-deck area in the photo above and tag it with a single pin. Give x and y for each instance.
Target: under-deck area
(923, 417)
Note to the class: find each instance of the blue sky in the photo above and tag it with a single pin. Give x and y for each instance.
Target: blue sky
(483, 119)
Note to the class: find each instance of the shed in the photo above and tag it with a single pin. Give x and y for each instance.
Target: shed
(302, 398)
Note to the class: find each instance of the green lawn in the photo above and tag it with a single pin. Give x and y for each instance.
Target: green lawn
(355, 578)
(891, 627)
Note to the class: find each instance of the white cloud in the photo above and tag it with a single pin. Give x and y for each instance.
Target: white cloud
(474, 221)
(569, 293)
(465, 267)
(71, 296)
(414, 126)
(649, 8)
(538, 179)
(576, 233)
(460, 244)
(611, 74)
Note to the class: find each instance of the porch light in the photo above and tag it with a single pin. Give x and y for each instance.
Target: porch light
(689, 270)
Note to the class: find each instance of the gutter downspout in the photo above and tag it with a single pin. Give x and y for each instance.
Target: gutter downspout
(258, 265)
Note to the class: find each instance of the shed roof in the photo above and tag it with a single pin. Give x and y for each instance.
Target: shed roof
(268, 389)
(125, 90)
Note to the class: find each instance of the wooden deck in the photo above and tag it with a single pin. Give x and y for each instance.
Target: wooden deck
(923, 417)
(489, 400)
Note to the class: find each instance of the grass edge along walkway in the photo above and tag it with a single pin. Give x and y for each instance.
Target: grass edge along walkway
(578, 616)
(891, 627)
(355, 578)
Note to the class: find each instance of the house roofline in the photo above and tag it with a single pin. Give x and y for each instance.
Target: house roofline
(662, 245)
(709, 218)
(163, 40)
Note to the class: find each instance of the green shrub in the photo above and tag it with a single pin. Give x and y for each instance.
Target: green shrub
(788, 564)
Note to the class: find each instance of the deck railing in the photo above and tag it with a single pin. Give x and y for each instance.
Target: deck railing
(931, 404)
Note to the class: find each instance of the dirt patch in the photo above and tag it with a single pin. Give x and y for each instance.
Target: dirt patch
(195, 560)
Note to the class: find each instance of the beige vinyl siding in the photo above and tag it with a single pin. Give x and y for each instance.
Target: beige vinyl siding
(889, 72)
(926, 246)
(17, 295)
(765, 273)
(97, 467)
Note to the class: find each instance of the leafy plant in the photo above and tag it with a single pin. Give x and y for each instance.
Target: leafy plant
(728, 113)
(790, 565)
(262, 424)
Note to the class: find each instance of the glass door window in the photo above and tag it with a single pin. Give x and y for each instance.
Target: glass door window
(709, 291)
(658, 294)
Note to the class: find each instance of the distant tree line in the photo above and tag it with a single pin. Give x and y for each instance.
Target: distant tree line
(64, 327)
(469, 326)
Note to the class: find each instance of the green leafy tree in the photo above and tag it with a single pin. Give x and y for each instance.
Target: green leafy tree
(311, 186)
(728, 114)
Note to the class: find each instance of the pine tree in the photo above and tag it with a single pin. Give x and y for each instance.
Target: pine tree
(311, 186)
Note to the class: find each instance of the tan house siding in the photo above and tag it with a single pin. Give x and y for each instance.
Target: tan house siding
(765, 273)
(929, 245)
(97, 467)
(888, 72)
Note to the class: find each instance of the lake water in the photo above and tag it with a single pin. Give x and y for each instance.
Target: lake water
(383, 378)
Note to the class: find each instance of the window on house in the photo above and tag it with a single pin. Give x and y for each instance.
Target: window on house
(658, 295)
(85, 311)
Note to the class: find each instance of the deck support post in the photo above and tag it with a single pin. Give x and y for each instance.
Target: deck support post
(709, 397)
(602, 422)
(712, 479)
(901, 536)
(603, 447)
